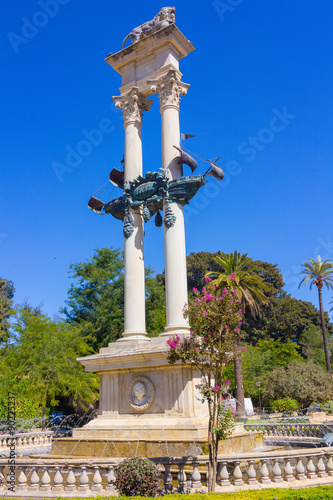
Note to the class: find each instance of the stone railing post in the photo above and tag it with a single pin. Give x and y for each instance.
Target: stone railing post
(167, 479)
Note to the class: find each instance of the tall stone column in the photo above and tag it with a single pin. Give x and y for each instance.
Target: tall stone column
(133, 105)
(170, 89)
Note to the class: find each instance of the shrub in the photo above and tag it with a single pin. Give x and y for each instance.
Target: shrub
(327, 407)
(285, 405)
(137, 476)
(301, 380)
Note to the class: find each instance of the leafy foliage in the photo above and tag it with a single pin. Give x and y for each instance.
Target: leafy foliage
(250, 286)
(301, 380)
(251, 292)
(155, 306)
(215, 324)
(259, 361)
(225, 423)
(28, 406)
(284, 318)
(96, 299)
(137, 476)
(327, 407)
(312, 345)
(285, 405)
(6, 306)
(40, 356)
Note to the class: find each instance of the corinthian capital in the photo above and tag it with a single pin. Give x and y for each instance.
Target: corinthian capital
(169, 89)
(132, 104)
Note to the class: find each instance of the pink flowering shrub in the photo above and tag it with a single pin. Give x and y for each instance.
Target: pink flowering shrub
(215, 322)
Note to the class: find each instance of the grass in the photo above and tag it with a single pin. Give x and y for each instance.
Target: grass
(314, 493)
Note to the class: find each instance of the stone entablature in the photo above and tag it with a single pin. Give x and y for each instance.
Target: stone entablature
(150, 58)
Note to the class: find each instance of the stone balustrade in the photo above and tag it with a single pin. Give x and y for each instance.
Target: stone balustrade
(38, 438)
(291, 429)
(75, 477)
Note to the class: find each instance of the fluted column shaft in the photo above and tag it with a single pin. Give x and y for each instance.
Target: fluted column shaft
(169, 89)
(132, 105)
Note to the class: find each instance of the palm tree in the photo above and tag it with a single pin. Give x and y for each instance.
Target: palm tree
(251, 288)
(320, 273)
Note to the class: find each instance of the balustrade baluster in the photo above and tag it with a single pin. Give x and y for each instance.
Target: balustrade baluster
(329, 464)
(277, 477)
(97, 481)
(321, 468)
(22, 481)
(34, 480)
(2, 477)
(168, 487)
(238, 476)
(289, 473)
(311, 470)
(223, 476)
(264, 479)
(300, 470)
(46, 481)
(70, 481)
(84, 481)
(252, 477)
(196, 476)
(181, 478)
(58, 481)
(111, 480)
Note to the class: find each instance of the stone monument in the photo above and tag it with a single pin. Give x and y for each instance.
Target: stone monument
(148, 407)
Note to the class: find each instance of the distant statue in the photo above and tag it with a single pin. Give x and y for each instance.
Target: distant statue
(165, 17)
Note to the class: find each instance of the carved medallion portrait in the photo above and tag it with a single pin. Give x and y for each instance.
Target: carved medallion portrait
(141, 393)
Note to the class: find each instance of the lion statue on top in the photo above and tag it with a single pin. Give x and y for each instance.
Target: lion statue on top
(165, 17)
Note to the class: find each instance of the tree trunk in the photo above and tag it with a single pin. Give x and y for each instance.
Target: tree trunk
(323, 328)
(238, 366)
(212, 462)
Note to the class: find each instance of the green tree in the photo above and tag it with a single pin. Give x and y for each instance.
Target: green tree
(301, 380)
(284, 319)
(215, 324)
(155, 306)
(320, 273)
(41, 354)
(251, 291)
(259, 361)
(6, 306)
(96, 298)
(312, 345)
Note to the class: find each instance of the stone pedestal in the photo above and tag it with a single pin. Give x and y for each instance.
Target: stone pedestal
(141, 393)
(147, 407)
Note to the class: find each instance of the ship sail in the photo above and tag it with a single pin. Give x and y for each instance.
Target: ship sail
(215, 171)
(95, 204)
(116, 177)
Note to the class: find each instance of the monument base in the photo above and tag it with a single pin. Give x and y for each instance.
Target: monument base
(147, 407)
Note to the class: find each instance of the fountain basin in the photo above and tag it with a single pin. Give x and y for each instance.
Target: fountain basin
(144, 446)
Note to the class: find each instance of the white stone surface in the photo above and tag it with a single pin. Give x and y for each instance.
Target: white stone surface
(133, 105)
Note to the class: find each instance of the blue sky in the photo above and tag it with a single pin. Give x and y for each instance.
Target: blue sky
(260, 96)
